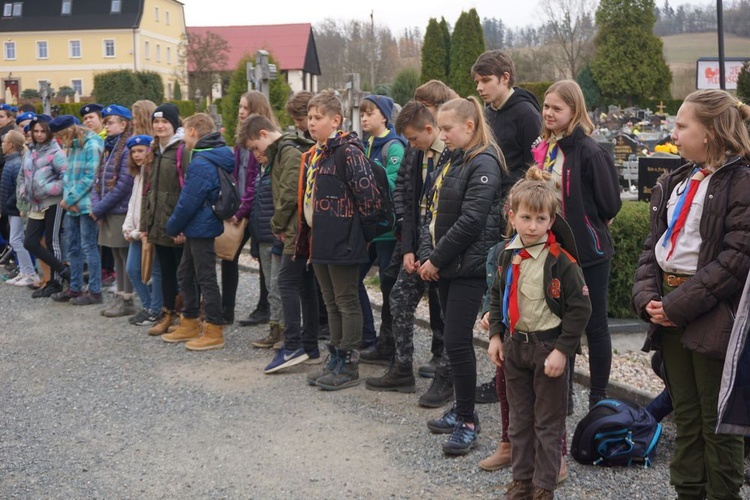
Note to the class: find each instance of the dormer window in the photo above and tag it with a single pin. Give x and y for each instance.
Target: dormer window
(116, 7)
(67, 7)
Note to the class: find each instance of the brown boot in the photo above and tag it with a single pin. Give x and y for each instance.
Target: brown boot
(563, 474)
(269, 340)
(189, 329)
(213, 338)
(164, 323)
(519, 490)
(542, 494)
(498, 460)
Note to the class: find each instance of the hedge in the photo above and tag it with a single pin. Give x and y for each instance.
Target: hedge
(629, 231)
(186, 108)
(536, 88)
(126, 86)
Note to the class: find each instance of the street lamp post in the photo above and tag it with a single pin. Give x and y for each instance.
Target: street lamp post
(720, 29)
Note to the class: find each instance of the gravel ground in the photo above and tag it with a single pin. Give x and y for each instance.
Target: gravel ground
(94, 408)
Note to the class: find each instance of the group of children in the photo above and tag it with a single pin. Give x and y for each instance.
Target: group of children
(502, 208)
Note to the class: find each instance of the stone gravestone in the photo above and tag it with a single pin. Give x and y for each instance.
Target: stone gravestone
(624, 147)
(650, 169)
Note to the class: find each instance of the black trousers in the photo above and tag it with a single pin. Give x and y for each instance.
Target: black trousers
(50, 227)
(197, 276)
(169, 259)
(461, 299)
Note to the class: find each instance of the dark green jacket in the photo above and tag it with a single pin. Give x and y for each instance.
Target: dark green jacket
(162, 190)
(285, 156)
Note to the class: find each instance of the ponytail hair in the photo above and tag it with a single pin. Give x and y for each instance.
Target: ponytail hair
(726, 121)
(470, 109)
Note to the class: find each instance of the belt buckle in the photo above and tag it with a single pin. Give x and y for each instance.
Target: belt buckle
(673, 280)
(525, 336)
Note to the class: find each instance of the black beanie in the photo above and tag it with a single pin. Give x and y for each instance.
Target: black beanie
(169, 112)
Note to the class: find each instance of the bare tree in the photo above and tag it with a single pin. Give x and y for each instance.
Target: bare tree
(570, 31)
(207, 58)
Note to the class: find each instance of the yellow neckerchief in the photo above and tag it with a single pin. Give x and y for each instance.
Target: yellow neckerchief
(551, 156)
(436, 187)
(312, 171)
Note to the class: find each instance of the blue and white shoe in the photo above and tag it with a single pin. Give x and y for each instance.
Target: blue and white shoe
(463, 438)
(286, 358)
(313, 357)
(444, 424)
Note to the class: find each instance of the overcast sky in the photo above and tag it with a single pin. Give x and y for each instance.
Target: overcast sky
(396, 14)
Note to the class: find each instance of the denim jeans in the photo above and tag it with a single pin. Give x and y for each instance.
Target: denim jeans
(150, 296)
(271, 264)
(16, 241)
(81, 233)
(298, 292)
(382, 252)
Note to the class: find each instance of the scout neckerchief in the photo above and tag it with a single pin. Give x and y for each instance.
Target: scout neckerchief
(682, 208)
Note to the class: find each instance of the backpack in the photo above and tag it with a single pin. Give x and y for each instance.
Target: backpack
(384, 220)
(229, 199)
(616, 433)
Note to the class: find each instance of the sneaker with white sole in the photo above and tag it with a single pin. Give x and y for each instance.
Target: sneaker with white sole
(15, 279)
(286, 358)
(25, 279)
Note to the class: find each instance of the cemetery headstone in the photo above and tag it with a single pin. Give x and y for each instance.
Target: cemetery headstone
(650, 168)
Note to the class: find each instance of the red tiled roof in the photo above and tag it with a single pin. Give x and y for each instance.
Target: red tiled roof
(287, 43)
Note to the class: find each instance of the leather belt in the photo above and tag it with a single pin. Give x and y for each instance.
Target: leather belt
(674, 280)
(536, 337)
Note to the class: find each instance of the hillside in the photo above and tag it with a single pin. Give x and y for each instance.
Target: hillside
(685, 48)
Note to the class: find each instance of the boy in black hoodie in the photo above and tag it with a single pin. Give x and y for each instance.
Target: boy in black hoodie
(512, 112)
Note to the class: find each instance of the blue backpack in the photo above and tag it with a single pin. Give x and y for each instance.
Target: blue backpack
(615, 433)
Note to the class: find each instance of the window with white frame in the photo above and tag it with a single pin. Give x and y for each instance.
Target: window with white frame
(116, 7)
(12, 9)
(7, 10)
(156, 14)
(75, 49)
(10, 51)
(41, 50)
(166, 17)
(17, 9)
(77, 86)
(147, 50)
(158, 52)
(109, 48)
(169, 55)
(67, 7)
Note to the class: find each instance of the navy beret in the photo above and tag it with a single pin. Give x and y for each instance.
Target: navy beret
(90, 108)
(62, 122)
(41, 118)
(25, 116)
(8, 107)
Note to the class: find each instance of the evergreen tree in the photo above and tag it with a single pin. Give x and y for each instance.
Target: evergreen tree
(404, 85)
(434, 53)
(629, 60)
(177, 93)
(590, 89)
(743, 83)
(446, 31)
(467, 43)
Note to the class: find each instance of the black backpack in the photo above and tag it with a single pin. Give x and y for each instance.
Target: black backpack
(616, 433)
(228, 202)
(384, 220)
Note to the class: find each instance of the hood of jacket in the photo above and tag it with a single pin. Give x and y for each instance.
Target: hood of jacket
(178, 136)
(522, 95)
(342, 139)
(290, 137)
(214, 149)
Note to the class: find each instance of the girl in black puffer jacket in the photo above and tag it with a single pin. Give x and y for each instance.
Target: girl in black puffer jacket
(462, 224)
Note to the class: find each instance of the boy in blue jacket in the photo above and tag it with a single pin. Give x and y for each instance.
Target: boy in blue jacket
(195, 225)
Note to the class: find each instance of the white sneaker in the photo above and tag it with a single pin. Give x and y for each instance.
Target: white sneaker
(13, 281)
(27, 279)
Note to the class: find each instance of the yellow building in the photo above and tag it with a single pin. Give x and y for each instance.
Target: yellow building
(67, 42)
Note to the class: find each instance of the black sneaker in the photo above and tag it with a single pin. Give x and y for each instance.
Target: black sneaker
(445, 424)
(87, 299)
(440, 392)
(64, 296)
(398, 377)
(428, 370)
(463, 437)
(486, 393)
(375, 355)
(257, 317)
(145, 318)
(47, 290)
